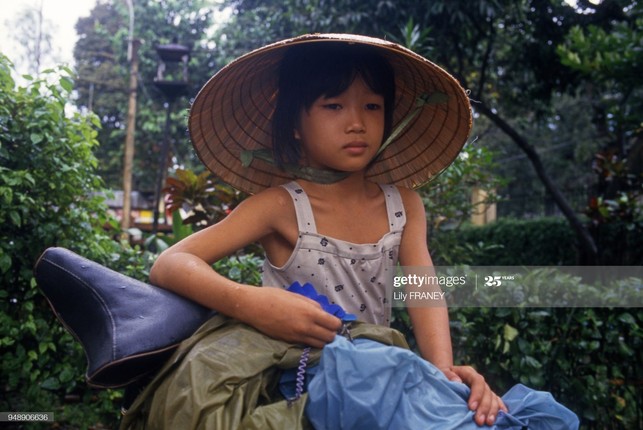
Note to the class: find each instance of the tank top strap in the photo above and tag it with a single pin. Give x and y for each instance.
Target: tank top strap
(305, 217)
(394, 207)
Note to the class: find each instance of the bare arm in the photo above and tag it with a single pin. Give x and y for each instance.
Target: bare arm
(431, 324)
(185, 268)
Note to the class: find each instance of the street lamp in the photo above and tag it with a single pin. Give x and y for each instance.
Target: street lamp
(172, 81)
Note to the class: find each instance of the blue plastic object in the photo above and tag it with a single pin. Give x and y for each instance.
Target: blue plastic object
(368, 385)
(309, 291)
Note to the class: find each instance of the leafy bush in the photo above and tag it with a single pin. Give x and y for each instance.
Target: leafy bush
(620, 243)
(536, 242)
(589, 359)
(47, 195)
(508, 242)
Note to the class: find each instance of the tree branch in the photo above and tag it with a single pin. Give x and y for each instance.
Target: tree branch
(586, 241)
(485, 62)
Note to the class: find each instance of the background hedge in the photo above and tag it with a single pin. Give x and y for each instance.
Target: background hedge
(536, 242)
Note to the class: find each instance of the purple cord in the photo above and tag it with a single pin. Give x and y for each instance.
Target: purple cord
(303, 363)
(301, 375)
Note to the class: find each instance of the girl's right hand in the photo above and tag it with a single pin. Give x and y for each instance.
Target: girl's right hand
(290, 317)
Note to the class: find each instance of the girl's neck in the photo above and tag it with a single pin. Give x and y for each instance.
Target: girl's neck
(355, 187)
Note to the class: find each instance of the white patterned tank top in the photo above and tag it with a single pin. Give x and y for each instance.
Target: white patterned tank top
(355, 276)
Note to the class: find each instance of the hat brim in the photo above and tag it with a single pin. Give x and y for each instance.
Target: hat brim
(233, 113)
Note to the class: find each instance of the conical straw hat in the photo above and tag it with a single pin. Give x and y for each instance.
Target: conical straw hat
(232, 113)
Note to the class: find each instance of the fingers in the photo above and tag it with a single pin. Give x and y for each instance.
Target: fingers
(324, 326)
(308, 324)
(320, 331)
(503, 407)
(451, 375)
(318, 341)
(487, 408)
(482, 399)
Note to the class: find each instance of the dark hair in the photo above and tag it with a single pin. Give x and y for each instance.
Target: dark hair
(312, 70)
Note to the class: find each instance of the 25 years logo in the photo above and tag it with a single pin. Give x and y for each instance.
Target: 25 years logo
(492, 281)
(496, 281)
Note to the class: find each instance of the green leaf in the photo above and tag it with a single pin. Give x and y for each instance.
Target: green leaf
(67, 84)
(5, 263)
(66, 375)
(50, 384)
(532, 362)
(15, 218)
(35, 138)
(627, 318)
(509, 333)
(180, 230)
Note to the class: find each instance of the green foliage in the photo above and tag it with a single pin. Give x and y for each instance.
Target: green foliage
(103, 73)
(537, 242)
(613, 55)
(589, 359)
(608, 57)
(509, 242)
(203, 201)
(48, 191)
(620, 192)
(414, 37)
(207, 200)
(448, 198)
(244, 268)
(620, 243)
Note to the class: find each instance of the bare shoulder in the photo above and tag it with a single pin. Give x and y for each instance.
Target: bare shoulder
(276, 212)
(413, 204)
(269, 208)
(275, 200)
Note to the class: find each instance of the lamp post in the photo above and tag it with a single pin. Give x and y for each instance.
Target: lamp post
(172, 81)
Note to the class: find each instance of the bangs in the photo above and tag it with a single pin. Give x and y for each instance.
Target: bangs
(330, 76)
(329, 69)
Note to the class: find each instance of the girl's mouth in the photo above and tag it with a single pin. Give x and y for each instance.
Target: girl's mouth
(356, 148)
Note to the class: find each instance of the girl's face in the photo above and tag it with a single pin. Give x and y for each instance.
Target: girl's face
(342, 132)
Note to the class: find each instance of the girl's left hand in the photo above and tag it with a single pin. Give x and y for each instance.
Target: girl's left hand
(482, 400)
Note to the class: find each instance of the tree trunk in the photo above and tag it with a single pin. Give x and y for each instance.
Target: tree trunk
(128, 157)
(586, 242)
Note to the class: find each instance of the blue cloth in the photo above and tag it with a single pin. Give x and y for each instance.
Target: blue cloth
(368, 385)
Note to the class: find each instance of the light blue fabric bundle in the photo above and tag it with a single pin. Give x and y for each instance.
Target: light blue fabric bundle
(368, 385)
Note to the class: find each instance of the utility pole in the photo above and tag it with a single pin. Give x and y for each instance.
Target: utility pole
(128, 160)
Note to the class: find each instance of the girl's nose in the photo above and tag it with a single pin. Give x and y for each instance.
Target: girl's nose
(355, 122)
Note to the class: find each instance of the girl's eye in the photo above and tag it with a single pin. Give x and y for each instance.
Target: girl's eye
(332, 106)
(373, 106)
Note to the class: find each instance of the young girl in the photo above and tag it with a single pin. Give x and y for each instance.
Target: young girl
(330, 133)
